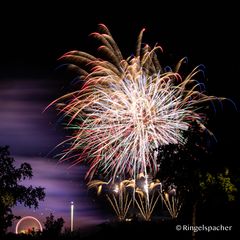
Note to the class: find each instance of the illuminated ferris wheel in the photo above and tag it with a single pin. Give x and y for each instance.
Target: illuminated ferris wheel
(27, 225)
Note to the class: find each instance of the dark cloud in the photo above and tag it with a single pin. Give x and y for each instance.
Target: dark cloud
(23, 125)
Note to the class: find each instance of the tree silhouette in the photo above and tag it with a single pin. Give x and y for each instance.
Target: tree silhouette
(53, 227)
(12, 192)
(198, 175)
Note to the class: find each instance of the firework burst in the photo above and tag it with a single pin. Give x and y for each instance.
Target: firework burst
(127, 108)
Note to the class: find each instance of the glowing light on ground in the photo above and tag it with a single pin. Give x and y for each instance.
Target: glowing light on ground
(72, 216)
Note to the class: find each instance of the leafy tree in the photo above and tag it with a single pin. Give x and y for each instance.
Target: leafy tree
(12, 192)
(192, 168)
(53, 227)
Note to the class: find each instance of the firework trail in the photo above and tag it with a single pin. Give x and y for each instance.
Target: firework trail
(172, 201)
(146, 196)
(127, 108)
(117, 195)
(140, 193)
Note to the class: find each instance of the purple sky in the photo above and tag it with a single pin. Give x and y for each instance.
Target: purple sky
(23, 126)
(31, 136)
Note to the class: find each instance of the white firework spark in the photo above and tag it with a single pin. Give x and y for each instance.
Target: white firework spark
(127, 108)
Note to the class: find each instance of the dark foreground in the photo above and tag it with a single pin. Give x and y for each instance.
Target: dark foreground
(134, 231)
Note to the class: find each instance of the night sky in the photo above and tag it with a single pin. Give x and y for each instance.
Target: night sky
(32, 39)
